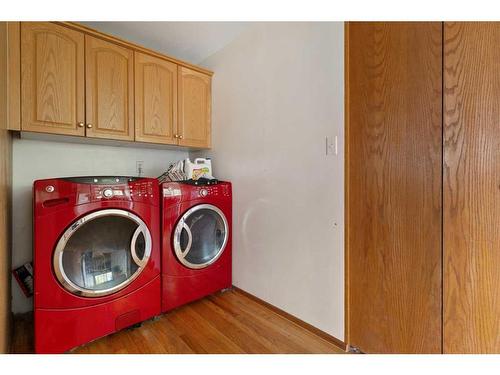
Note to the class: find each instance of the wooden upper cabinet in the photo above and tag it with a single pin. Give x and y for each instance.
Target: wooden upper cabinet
(194, 108)
(76, 81)
(52, 79)
(109, 90)
(155, 99)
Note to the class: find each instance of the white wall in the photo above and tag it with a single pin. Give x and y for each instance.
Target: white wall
(277, 93)
(189, 41)
(35, 159)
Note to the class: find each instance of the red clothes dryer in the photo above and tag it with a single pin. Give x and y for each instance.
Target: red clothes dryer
(196, 241)
(96, 258)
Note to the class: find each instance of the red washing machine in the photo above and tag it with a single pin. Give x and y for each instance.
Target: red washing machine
(96, 258)
(196, 242)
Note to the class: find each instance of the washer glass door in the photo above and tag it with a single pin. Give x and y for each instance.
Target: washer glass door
(102, 252)
(200, 236)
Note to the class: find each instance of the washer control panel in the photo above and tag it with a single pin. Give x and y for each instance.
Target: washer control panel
(139, 190)
(58, 193)
(142, 189)
(110, 192)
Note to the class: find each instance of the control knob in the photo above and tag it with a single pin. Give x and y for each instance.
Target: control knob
(107, 193)
(203, 192)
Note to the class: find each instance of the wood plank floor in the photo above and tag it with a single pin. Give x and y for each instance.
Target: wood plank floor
(228, 322)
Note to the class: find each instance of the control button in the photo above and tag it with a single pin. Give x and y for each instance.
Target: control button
(203, 192)
(107, 193)
(49, 189)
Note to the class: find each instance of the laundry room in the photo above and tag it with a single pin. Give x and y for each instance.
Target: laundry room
(223, 180)
(174, 105)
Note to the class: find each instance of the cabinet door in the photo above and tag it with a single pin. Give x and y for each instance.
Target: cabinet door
(52, 79)
(195, 102)
(394, 126)
(471, 187)
(155, 100)
(109, 90)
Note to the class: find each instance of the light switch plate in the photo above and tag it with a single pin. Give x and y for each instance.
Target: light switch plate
(332, 145)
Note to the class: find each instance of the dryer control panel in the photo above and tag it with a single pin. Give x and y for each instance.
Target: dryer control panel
(222, 189)
(178, 192)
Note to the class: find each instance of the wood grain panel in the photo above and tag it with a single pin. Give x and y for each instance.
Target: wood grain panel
(109, 90)
(14, 75)
(394, 135)
(5, 193)
(471, 188)
(228, 322)
(155, 99)
(52, 79)
(195, 108)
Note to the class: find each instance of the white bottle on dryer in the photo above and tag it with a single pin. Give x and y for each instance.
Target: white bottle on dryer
(201, 167)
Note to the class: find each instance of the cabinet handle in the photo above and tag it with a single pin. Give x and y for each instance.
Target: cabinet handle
(89, 126)
(81, 124)
(176, 135)
(180, 137)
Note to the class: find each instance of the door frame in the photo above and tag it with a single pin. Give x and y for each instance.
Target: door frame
(347, 337)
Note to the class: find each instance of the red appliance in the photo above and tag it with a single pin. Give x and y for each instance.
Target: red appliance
(196, 241)
(96, 258)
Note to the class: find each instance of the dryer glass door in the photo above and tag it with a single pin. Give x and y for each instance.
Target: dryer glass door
(200, 236)
(102, 253)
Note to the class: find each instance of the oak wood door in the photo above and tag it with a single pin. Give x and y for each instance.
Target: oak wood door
(472, 188)
(155, 99)
(195, 103)
(109, 90)
(52, 79)
(394, 163)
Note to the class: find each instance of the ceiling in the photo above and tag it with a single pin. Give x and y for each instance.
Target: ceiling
(189, 41)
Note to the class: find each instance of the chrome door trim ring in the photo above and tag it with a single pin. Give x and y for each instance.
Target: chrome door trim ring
(181, 255)
(61, 244)
(190, 238)
(140, 262)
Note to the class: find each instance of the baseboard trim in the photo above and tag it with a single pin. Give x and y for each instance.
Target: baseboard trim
(325, 336)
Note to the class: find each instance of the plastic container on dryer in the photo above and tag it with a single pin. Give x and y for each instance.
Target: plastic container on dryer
(201, 167)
